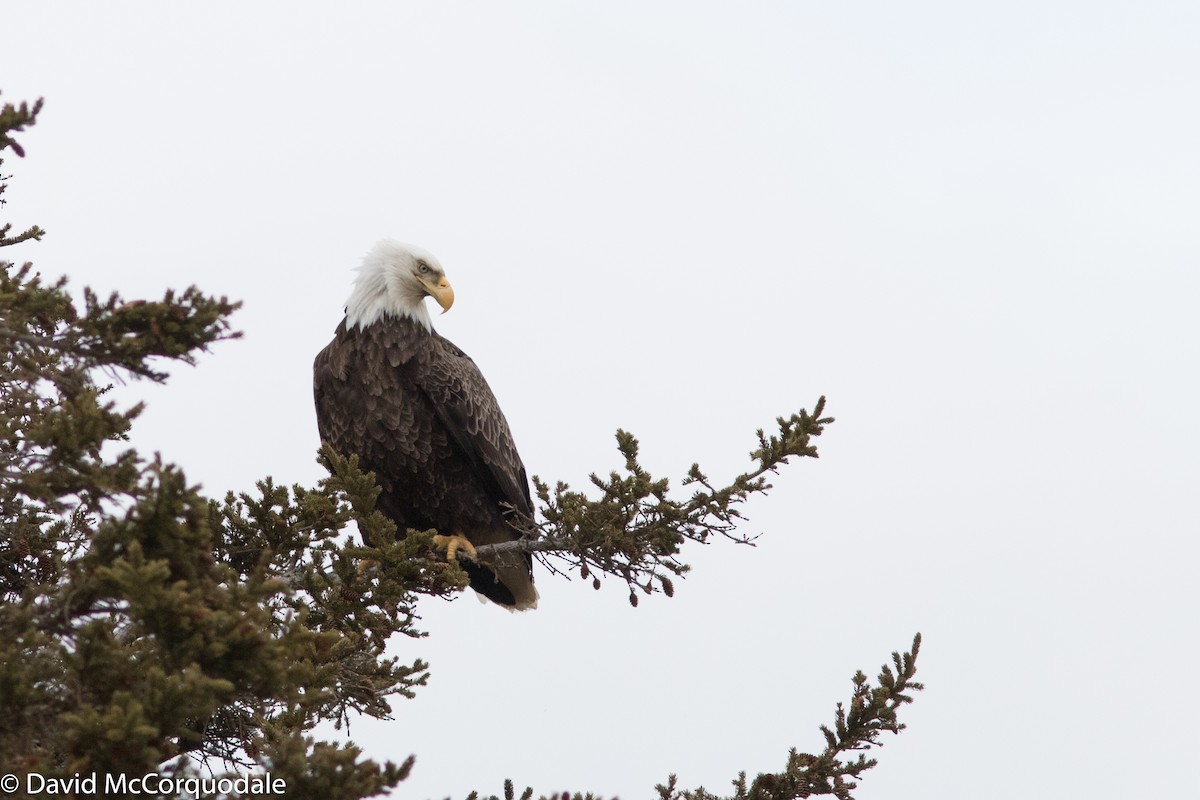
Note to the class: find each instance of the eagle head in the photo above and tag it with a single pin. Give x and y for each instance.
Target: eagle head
(394, 279)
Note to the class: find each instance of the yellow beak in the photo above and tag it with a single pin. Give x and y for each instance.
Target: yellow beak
(443, 294)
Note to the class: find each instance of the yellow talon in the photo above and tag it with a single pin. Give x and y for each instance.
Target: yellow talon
(452, 545)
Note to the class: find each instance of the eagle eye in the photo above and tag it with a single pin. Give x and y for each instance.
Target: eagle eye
(423, 266)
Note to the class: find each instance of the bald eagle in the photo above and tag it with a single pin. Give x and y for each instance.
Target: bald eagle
(417, 412)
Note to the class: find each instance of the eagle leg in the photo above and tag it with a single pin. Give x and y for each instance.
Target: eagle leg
(453, 544)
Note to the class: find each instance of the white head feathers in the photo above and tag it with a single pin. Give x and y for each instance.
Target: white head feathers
(394, 279)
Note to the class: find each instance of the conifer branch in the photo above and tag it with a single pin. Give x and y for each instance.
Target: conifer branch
(15, 119)
(634, 530)
(872, 712)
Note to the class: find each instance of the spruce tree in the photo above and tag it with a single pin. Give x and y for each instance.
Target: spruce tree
(148, 629)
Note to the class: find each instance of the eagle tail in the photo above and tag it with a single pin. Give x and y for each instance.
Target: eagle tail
(508, 585)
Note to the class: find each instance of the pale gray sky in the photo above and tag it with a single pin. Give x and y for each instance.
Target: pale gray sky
(973, 228)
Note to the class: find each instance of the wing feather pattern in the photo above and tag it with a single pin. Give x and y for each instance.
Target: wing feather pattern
(465, 404)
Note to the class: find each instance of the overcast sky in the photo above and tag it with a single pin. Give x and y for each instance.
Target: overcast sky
(972, 227)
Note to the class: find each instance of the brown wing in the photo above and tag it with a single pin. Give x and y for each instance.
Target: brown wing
(341, 410)
(465, 404)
